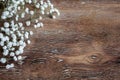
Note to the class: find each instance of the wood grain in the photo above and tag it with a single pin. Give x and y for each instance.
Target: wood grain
(82, 44)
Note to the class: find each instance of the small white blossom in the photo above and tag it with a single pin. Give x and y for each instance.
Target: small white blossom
(32, 12)
(23, 15)
(15, 58)
(28, 23)
(12, 54)
(27, 10)
(19, 57)
(31, 32)
(6, 24)
(8, 66)
(13, 35)
(28, 41)
(3, 60)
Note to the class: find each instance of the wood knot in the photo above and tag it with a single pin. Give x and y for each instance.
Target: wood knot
(94, 58)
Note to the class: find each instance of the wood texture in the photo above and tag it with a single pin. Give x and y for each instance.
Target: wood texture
(82, 44)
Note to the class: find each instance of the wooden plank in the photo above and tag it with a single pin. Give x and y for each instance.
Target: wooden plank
(82, 44)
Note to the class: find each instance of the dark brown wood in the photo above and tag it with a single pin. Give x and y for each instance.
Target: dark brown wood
(82, 44)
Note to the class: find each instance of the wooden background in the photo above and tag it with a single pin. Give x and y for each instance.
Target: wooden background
(81, 44)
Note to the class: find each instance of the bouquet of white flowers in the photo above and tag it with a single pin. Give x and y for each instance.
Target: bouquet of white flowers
(13, 35)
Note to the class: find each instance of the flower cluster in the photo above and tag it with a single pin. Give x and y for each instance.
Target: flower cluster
(13, 35)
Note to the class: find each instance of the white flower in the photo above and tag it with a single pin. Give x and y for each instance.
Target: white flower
(3, 39)
(22, 28)
(38, 24)
(28, 23)
(6, 13)
(40, 17)
(31, 33)
(21, 51)
(15, 58)
(54, 17)
(12, 49)
(12, 65)
(23, 15)
(32, 12)
(30, 2)
(51, 5)
(45, 5)
(20, 24)
(27, 10)
(17, 52)
(28, 41)
(1, 35)
(7, 38)
(6, 24)
(3, 60)
(21, 46)
(5, 47)
(12, 54)
(42, 12)
(41, 24)
(19, 57)
(36, 20)
(14, 43)
(37, 5)
(9, 45)
(41, 2)
(42, 8)
(3, 17)
(16, 18)
(23, 3)
(1, 43)
(21, 42)
(19, 7)
(24, 45)
(35, 26)
(8, 66)
(5, 52)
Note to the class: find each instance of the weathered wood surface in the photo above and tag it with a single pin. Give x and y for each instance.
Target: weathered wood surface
(82, 44)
